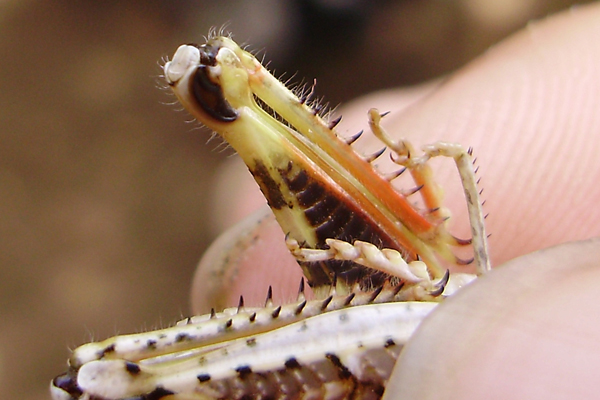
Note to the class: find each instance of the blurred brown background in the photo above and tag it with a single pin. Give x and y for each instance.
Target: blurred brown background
(104, 189)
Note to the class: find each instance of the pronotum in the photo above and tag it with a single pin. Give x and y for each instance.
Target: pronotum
(375, 262)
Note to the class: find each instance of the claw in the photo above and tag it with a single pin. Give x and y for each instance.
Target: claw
(441, 285)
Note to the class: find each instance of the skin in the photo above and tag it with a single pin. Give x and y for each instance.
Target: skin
(529, 107)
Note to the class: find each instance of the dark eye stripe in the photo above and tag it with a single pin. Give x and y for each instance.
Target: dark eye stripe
(210, 96)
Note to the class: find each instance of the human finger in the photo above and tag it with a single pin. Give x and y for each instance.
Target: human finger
(525, 331)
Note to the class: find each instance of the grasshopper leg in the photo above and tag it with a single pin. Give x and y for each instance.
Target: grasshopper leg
(431, 192)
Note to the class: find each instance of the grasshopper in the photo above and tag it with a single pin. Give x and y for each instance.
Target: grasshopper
(376, 263)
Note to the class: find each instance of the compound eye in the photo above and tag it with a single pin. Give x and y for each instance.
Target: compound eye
(210, 97)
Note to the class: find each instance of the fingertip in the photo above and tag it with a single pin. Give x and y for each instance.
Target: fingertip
(527, 330)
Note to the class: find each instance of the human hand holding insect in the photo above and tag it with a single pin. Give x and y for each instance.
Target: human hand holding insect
(529, 108)
(346, 343)
(376, 262)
